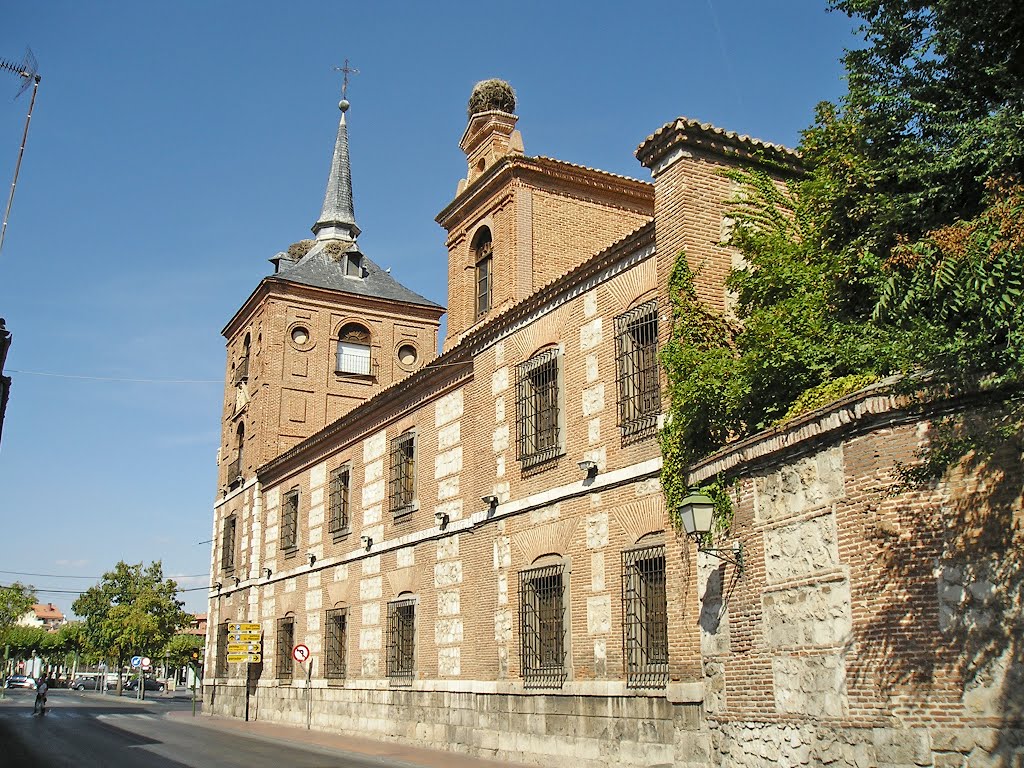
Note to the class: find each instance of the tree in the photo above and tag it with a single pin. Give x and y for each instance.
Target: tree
(15, 601)
(182, 649)
(132, 611)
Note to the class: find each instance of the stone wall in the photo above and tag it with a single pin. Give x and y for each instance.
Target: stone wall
(870, 627)
(592, 731)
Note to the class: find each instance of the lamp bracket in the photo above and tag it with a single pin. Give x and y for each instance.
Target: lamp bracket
(734, 556)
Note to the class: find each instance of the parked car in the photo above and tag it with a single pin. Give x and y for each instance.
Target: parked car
(85, 683)
(151, 685)
(20, 681)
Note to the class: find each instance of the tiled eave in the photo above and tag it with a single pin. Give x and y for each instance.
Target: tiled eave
(272, 285)
(631, 193)
(455, 366)
(686, 135)
(887, 403)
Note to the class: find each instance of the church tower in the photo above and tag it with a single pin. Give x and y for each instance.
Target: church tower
(518, 222)
(324, 333)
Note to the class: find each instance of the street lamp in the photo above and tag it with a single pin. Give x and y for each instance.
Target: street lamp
(696, 512)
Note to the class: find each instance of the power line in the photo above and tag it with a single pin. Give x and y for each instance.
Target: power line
(114, 378)
(95, 578)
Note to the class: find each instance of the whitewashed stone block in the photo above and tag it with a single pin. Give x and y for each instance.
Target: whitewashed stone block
(448, 408)
(373, 493)
(290, 585)
(372, 515)
(448, 602)
(502, 552)
(448, 463)
(371, 664)
(591, 368)
(800, 487)
(502, 589)
(448, 631)
(316, 496)
(499, 381)
(448, 488)
(597, 572)
(272, 498)
(314, 600)
(591, 334)
(370, 589)
(499, 409)
(318, 475)
(810, 685)
(449, 663)
(449, 436)
(448, 573)
(371, 614)
(316, 513)
(500, 438)
(374, 447)
(313, 579)
(499, 466)
(590, 303)
(593, 399)
(801, 549)
(597, 530)
(448, 548)
(369, 639)
(813, 615)
(599, 614)
(406, 557)
(373, 471)
(371, 565)
(503, 626)
(341, 572)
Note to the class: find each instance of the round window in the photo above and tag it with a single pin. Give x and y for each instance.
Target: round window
(300, 336)
(407, 355)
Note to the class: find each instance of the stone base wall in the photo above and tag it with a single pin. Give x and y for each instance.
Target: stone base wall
(593, 731)
(780, 745)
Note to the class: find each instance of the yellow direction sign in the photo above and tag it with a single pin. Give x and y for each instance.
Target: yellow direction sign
(244, 637)
(243, 648)
(236, 658)
(236, 626)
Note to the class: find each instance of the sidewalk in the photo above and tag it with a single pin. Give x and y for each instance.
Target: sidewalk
(396, 751)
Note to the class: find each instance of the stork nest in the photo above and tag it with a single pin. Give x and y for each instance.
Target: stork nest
(491, 94)
(297, 250)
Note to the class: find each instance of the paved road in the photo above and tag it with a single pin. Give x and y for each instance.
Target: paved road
(91, 731)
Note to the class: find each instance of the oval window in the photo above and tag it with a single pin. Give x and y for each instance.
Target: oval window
(300, 336)
(407, 355)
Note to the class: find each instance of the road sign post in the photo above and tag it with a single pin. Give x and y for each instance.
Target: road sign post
(301, 654)
(245, 646)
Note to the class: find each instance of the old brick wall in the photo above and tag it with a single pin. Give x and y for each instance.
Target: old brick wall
(867, 628)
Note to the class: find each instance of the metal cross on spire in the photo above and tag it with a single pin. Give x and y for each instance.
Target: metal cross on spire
(346, 70)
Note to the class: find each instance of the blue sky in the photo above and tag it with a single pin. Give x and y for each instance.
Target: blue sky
(175, 147)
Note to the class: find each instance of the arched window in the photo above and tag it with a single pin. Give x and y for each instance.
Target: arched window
(543, 622)
(402, 638)
(645, 613)
(482, 257)
(354, 349)
(242, 369)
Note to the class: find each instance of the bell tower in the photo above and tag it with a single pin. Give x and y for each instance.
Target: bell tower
(323, 334)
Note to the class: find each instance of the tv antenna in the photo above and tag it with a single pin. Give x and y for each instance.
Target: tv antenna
(27, 71)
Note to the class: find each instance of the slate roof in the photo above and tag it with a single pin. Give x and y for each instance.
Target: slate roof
(321, 269)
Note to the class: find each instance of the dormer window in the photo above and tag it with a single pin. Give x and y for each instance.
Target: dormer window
(354, 350)
(482, 250)
(353, 265)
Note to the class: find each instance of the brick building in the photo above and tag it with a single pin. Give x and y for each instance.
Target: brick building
(474, 545)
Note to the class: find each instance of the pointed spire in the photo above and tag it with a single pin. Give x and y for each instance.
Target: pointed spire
(337, 218)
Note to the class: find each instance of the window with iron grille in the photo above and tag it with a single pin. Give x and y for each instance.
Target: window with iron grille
(542, 626)
(227, 552)
(285, 641)
(337, 640)
(482, 252)
(636, 350)
(645, 617)
(402, 489)
(337, 500)
(402, 639)
(537, 413)
(221, 661)
(290, 520)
